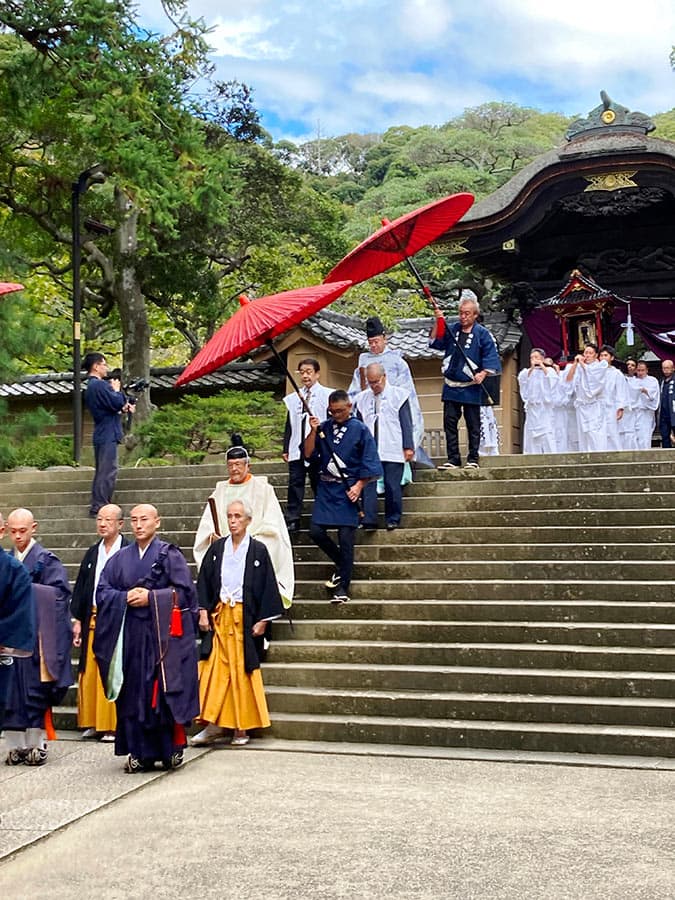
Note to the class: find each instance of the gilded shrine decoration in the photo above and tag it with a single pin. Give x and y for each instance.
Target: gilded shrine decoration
(611, 181)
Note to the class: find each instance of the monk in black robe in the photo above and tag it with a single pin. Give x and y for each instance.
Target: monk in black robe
(145, 646)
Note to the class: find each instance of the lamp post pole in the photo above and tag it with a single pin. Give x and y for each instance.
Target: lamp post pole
(92, 175)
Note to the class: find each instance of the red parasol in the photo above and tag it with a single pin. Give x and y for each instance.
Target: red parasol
(258, 322)
(398, 240)
(401, 239)
(8, 287)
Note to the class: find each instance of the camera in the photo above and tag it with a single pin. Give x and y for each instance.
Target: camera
(133, 387)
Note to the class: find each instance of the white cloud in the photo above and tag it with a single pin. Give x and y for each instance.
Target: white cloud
(246, 38)
(365, 65)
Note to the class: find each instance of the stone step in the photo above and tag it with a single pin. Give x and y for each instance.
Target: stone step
(197, 489)
(592, 634)
(632, 482)
(449, 611)
(555, 737)
(383, 550)
(366, 649)
(513, 570)
(498, 707)
(504, 589)
(495, 680)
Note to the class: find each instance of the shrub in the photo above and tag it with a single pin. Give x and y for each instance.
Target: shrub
(47, 450)
(197, 426)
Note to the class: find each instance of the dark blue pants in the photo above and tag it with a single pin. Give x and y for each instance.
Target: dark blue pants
(452, 412)
(342, 553)
(103, 485)
(298, 472)
(393, 496)
(665, 428)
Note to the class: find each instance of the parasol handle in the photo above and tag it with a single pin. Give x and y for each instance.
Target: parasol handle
(426, 290)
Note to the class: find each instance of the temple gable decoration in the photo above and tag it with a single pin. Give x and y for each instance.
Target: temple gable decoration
(609, 115)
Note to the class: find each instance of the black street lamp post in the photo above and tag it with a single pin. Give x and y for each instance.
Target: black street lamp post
(92, 175)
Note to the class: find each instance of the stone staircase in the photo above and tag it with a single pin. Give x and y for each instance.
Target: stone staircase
(525, 606)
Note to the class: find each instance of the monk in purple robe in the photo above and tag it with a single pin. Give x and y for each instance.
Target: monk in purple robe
(39, 681)
(17, 618)
(145, 647)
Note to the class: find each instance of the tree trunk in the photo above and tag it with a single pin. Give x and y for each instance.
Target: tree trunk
(131, 302)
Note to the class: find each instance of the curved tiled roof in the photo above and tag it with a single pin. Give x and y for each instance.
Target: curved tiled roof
(410, 336)
(260, 376)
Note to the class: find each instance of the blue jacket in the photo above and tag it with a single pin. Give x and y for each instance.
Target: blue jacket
(480, 348)
(105, 405)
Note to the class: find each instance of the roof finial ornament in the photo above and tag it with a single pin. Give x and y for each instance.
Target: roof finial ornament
(610, 115)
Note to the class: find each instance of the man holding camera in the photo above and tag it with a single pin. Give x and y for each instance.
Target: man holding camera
(105, 401)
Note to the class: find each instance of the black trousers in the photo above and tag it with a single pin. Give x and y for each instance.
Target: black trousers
(103, 485)
(298, 472)
(452, 413)
(342, 553)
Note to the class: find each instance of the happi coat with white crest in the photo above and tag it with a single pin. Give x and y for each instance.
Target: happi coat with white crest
(159, 688)
(350, 447)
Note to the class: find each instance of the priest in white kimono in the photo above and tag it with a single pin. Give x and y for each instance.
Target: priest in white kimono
(616, 398)
(537, 386)
(398, 375)
(588, 376)
(647, 403)
(267, 525)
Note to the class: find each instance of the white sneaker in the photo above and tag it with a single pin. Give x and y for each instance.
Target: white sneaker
(89, 734)
(208, 735)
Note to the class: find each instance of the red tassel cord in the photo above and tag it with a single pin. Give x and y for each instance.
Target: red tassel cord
(176, 626)
(155, 693)
(49, 725)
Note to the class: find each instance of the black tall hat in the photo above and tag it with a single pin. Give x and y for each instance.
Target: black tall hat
(374, 327)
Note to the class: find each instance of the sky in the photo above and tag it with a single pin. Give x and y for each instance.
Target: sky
(331, 67)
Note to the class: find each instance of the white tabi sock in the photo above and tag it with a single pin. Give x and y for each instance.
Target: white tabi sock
(16, 740)
(36, 737)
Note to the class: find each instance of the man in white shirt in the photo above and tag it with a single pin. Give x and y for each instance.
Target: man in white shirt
(385, 410)
(315, 399)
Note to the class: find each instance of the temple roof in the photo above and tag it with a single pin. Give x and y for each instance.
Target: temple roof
(579, 288)
(410, 336)
(604, 202)
(237, 376)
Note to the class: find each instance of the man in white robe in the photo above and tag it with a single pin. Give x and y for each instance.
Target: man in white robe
(627, 425)
(398, 375)
(587, 374)
(536, 386)
(268, 523)
(615, 396)
(647, 404)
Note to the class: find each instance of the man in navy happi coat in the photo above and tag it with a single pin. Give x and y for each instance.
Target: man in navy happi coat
(348, 461)
(17, 617)
(145, 647)
(39, 681)
(463, 374)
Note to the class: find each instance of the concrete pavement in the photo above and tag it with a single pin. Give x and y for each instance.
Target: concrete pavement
(264, 823)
